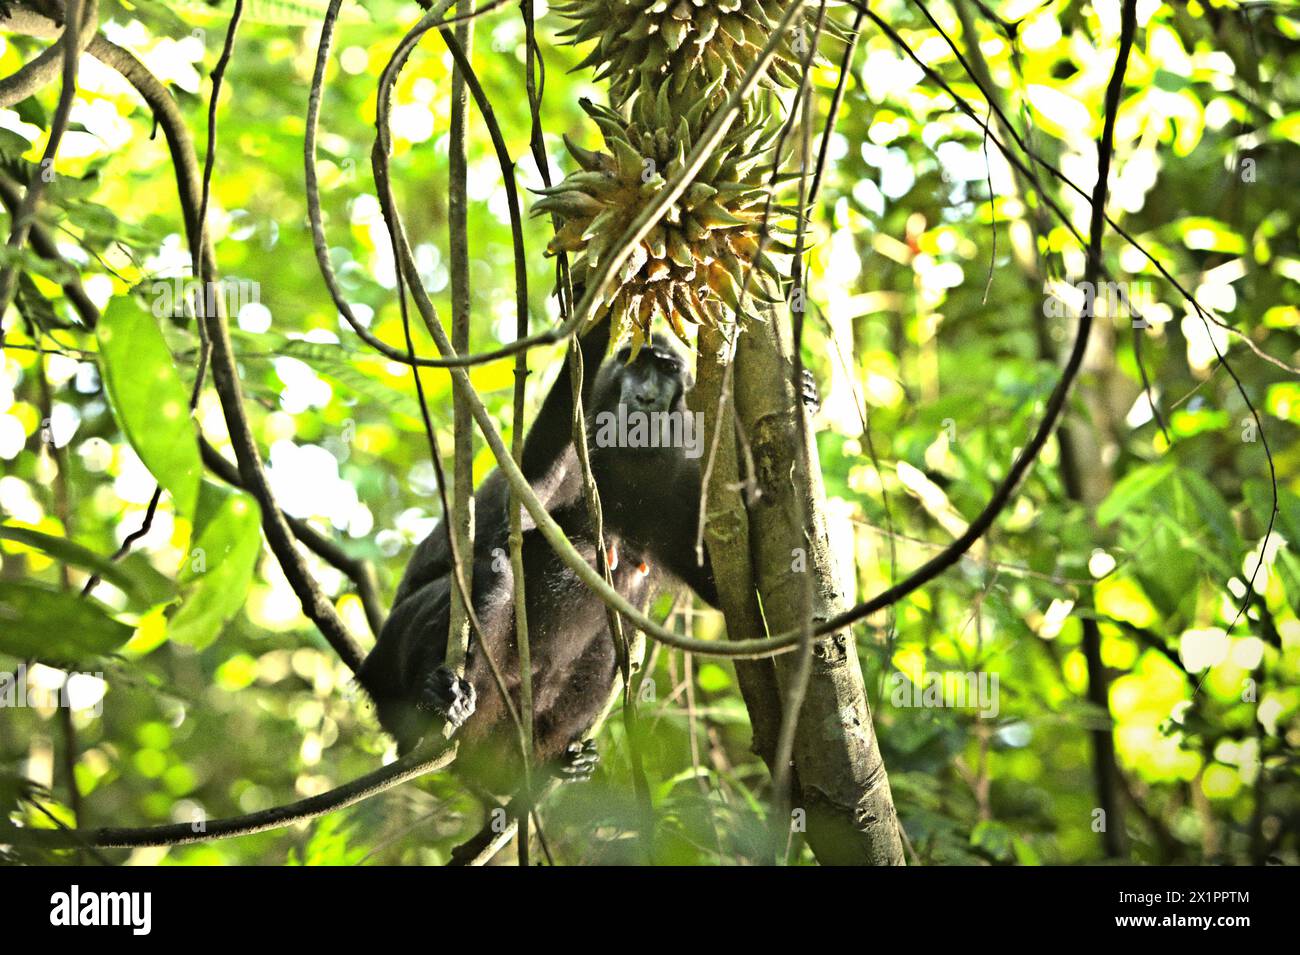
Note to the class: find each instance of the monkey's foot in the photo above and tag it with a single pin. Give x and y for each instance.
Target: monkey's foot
(812, 399)
(580, 759)
(451, 697)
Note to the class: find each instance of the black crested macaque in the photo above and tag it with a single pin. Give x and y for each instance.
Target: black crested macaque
(647, 468)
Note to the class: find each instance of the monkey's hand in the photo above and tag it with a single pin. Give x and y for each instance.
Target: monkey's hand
(808, 393)
(580, 759)
(451, 697)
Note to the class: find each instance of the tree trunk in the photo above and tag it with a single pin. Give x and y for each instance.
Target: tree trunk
(726, 534)
(841, 783)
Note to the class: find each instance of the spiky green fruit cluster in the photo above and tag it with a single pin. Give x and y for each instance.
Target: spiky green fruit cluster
(695, 263)
(640, 43)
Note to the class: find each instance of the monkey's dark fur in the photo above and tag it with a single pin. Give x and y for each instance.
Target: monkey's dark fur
(650, 500)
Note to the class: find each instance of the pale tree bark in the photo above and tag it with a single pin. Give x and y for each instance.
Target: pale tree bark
(840, 777)
(726, 534)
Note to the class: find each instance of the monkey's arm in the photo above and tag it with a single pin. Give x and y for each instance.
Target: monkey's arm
(544, 464)
(404, 674)
(552, 432)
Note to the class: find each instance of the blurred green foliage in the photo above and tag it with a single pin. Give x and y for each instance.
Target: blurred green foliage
(934, 333)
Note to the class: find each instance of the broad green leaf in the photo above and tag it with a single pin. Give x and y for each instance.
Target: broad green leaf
(1288, 566)
(1168, 81)
(33, 306)
(1288, 506)
(31, 111)
(149, 399)
(1130, 491)
(1259, 498)
(993, 838)
(713, 678)
(55, 626)
(1212, 510)
(12, 145)
(223, 552)
(138, 580)
(1168, 569)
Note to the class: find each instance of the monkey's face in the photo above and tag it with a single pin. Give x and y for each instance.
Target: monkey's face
(656, 380)
(639, 423)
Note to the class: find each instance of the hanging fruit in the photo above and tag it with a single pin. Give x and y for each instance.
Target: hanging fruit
(641, 43)
(695, 263)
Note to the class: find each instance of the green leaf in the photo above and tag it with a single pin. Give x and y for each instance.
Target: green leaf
(12, 145)
(55, 626)
(336, 362)
(1059, 113)
(149, 399)
(31, 111)
(1288, 516)
(34, 306)
(1169, 82)
(1212, 509)
(223, 552)
(993, 838)
(1134, 488)
(1288, 566)
(1259, 498)
(138, 580)
(1288, 127)
(1168, 569)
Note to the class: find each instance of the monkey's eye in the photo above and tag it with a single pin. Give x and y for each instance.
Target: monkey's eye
(666, 359)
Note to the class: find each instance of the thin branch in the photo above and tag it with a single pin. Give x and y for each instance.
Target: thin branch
(837, 100)
(45, 246)
(316, 606)
(129, 541)
(209, 159)
(87, 16)
(423, 759)
(44, 69)
(460, 521)
(359, 571)
(523, 647)
(318, 229)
